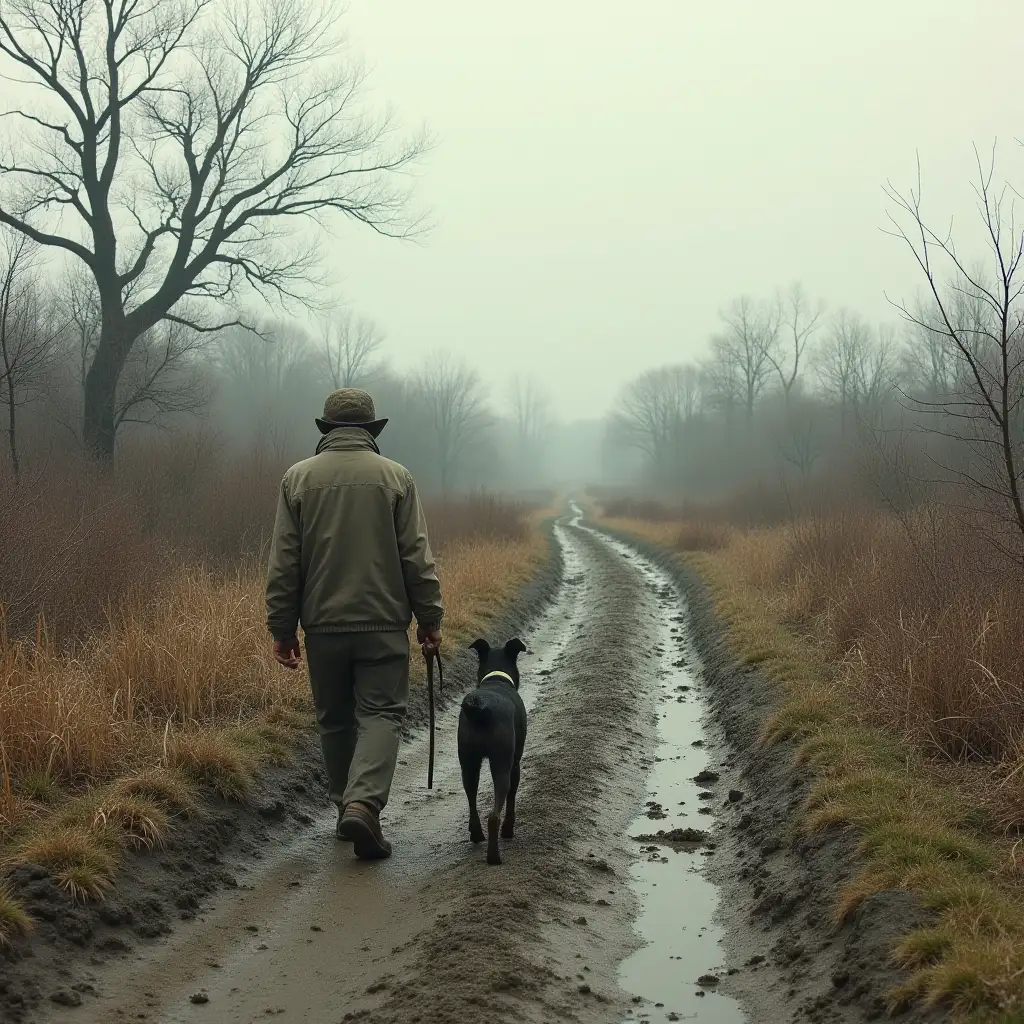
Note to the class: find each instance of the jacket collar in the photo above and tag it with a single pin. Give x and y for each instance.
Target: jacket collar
(347, 439)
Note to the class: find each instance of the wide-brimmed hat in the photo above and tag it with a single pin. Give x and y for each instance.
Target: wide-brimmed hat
(349, 407)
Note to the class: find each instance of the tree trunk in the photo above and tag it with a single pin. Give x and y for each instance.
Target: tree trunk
(12, 439)
(99, 427)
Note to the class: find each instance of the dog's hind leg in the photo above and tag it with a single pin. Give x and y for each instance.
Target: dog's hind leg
(501, 772)
(508, 826)
(470, 783)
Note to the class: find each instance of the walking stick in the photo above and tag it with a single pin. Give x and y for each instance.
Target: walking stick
(431, 654)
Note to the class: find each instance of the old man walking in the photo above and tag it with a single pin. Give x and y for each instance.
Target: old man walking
(350, 561)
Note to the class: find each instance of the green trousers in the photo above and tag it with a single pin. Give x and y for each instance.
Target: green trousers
(360, 685)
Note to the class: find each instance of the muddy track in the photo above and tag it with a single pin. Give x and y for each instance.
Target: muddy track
(777, 887)
(617, 696)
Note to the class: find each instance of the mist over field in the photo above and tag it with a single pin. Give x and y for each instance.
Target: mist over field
(739, 285)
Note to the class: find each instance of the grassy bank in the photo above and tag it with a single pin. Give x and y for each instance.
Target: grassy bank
(143, 689)
(896, 647)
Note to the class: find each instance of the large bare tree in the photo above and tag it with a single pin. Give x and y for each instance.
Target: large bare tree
(185, 149)
(163, 373)
(976, 313)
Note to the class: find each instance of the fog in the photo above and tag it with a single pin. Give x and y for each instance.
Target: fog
(606, 178)
(611, 216)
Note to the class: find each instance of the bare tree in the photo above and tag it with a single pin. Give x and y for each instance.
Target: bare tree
(652, 412)
(978, 316)
(81, 308)
(531, 412)
(163, 376)
(454, 399)
(348, 347)
(801, 318)
(874, 372)
(178, 147)
(928, 367)
(802, 450)
(840, 361)
(722, 379)
(748, 346)
(29, 336)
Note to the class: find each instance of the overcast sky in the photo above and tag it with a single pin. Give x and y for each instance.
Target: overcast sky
(608, 175)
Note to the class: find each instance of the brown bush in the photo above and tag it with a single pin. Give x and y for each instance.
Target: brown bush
(475, 518)
(73, 543)
(702, 535)
(929, 616)
(133, 600)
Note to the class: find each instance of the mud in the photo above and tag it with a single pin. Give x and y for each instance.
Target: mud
(74, 947)
(595, 916)
(788, 961)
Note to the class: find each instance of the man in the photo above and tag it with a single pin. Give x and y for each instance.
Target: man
(350, 560)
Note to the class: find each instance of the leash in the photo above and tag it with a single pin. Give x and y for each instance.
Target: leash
(432, 654)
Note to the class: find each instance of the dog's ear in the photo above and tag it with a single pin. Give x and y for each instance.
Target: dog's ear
(514, 648)
(482, 648)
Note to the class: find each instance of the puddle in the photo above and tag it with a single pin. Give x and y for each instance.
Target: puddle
(677, 921)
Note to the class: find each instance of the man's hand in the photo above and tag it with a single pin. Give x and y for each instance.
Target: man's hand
(288, 652)
(428, 639)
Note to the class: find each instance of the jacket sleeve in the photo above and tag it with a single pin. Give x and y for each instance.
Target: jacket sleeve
(284, 574)
(417, 560)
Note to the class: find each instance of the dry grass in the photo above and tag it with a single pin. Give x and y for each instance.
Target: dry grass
(76, 856)
(194, 652)
(114, 725)
(900, 682)
(14, 922)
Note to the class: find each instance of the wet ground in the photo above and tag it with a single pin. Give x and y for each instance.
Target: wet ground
(593, 917)
(679, 903)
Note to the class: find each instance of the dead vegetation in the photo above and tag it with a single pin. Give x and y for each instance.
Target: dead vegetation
(144, 683)
(898, 641)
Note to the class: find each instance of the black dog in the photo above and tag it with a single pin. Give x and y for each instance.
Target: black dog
(492, 724)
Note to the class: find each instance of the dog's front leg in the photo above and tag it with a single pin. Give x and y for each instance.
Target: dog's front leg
(470, 783)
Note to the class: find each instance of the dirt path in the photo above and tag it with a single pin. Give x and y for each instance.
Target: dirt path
(434, 935)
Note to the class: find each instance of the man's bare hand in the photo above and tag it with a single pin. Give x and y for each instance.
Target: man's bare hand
(288, 652)
(428, 639)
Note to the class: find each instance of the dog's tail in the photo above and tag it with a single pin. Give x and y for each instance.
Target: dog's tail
(476, 709)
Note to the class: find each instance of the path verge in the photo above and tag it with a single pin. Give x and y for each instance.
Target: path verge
(92, 867)
(882, 890)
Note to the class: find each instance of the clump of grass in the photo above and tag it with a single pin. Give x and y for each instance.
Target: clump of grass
(41, 787)
(168, 789)
(14, 921)
(141, 823)
(76, 857)
(213, 761)
(270, 742)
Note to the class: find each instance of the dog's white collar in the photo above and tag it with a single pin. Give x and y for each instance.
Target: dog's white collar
(501, 675)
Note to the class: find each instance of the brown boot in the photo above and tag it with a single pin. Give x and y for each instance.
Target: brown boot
(361, 826)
